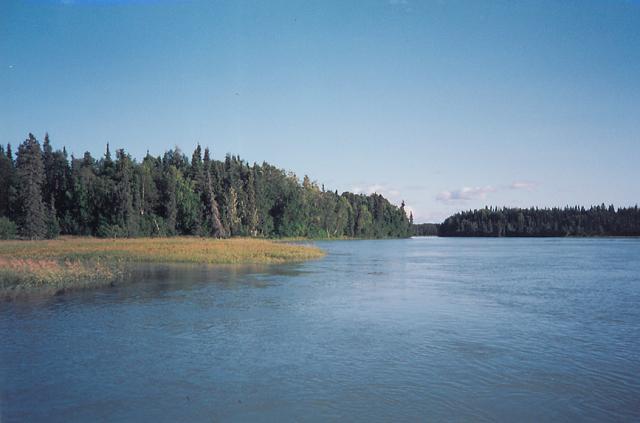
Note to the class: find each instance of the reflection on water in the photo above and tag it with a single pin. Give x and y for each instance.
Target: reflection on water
(410, 330)
(150, 280)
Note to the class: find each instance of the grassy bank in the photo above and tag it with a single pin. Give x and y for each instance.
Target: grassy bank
(53, 266)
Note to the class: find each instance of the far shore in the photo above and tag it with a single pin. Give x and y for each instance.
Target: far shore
(54, 266)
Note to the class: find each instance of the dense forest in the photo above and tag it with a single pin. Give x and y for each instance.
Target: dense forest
(44, 193)
(425, 229)
(569, 221)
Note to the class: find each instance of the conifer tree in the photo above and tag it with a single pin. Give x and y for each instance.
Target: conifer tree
(174, 195)
(53, 225)
(9, 153)
(126, 216)
(7, 178)
(47, 159)
(29, 181)
(83, 181)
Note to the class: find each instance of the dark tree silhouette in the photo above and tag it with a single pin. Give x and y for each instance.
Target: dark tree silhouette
(533, 222)
(46, 193)
(31, 215)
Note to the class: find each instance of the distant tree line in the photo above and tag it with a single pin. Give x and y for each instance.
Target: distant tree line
(533, 222)
(43, 193)
(425, 229)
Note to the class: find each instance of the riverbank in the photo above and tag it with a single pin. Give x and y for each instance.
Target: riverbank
(53, 266)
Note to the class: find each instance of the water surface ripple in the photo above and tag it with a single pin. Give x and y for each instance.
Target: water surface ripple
(402, 330)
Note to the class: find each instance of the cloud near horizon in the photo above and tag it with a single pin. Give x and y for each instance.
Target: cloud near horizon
(393, 195)
(528, 185)
(385, 191)
(465, 194)
(480, 193)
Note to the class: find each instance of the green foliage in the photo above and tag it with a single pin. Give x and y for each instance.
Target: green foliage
(47, 193)
(188, 206)
(8, 229)
(53, 225)
(570, 221)
(29, 180)
(425, 229)
(7, 175)
(364, 223)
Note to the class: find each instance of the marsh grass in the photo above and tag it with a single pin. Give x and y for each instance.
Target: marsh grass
(24, 276)
(78, 262)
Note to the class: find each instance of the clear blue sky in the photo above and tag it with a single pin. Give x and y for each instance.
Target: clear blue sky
(447, 104)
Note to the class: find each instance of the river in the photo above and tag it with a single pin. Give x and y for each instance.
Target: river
(423, 329)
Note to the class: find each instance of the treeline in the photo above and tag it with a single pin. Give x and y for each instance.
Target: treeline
(43, 193)
(570, 221)
(425, 229)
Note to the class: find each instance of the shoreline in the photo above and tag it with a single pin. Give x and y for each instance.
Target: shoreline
(52, 267)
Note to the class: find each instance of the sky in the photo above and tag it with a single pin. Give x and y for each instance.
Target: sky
(447, 105)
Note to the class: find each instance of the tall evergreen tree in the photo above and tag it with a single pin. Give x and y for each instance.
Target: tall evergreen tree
(82, 208)
(9, 153)
(47, 160)
(126, 213)
(6, 186)
(29, 181)
(52, 223)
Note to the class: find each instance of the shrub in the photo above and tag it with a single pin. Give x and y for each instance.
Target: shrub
(106, 230)
(8, 229)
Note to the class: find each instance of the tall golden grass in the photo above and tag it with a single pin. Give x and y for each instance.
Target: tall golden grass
(80, 261)
(19, 275)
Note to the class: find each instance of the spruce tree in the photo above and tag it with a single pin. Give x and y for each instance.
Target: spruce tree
(126, 215)
(53, 225)
(29, 181)
(48, 160)
(9, 153)
(6, 176)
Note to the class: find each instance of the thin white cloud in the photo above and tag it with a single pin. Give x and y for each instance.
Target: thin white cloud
(384, 190)
(431, 216)
(390, 193)
(480, 193)
(465, 194)
(528, 185)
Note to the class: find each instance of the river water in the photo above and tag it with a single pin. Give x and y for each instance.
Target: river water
(423, 329)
